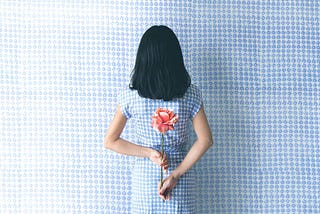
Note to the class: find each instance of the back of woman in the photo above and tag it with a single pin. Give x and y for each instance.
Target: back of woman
(141, 110)
(145, 173)
(160, 80)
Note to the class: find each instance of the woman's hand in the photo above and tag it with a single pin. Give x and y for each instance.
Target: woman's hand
(167, 186)
(156, 157)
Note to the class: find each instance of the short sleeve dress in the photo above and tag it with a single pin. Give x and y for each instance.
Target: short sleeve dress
(146, 174)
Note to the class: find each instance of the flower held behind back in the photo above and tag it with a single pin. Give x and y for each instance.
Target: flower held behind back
(163, 120)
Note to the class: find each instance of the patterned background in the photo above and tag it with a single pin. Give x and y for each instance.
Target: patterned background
(63, 62)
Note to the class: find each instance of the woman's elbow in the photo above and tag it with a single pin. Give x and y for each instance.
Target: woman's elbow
(107, 143)
(205, 142)
(209, 141)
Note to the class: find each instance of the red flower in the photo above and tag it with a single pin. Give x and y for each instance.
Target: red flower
(163, 120)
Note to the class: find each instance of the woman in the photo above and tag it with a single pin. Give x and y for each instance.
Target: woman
(160, 79)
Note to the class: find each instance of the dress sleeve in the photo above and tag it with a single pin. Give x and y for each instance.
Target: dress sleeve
(196, 101)
(124, 103)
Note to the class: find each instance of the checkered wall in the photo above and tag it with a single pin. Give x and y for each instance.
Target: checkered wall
(63, 62)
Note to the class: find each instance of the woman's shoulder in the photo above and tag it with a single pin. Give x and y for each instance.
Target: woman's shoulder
(126, 94)
(192, 91)
(126, 91)
(193, 87)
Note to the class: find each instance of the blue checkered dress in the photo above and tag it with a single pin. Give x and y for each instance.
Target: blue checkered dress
(146, 174)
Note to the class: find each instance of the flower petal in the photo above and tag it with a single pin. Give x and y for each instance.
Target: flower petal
(163, 128)
(164, 116)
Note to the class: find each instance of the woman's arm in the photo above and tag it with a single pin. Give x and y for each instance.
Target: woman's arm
(201, 145)
(113, 142)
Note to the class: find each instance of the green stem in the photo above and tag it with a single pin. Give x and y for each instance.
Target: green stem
(162, 153)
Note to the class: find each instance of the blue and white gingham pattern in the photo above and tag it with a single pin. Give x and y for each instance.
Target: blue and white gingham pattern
(62, 64)
(145, 177)
(145, 180)
(141, 110)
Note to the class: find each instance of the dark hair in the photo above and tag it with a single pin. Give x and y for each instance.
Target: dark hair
(159, 71)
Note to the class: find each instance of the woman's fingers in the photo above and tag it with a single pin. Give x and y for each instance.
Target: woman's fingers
(165, 197)
(163, 160)
(160, 159)
(155, 157)
(165, 163)
(164, 194)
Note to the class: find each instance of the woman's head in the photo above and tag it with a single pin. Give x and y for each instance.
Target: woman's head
(159, 71)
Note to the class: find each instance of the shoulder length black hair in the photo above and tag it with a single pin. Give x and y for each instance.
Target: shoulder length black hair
(159, 71)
